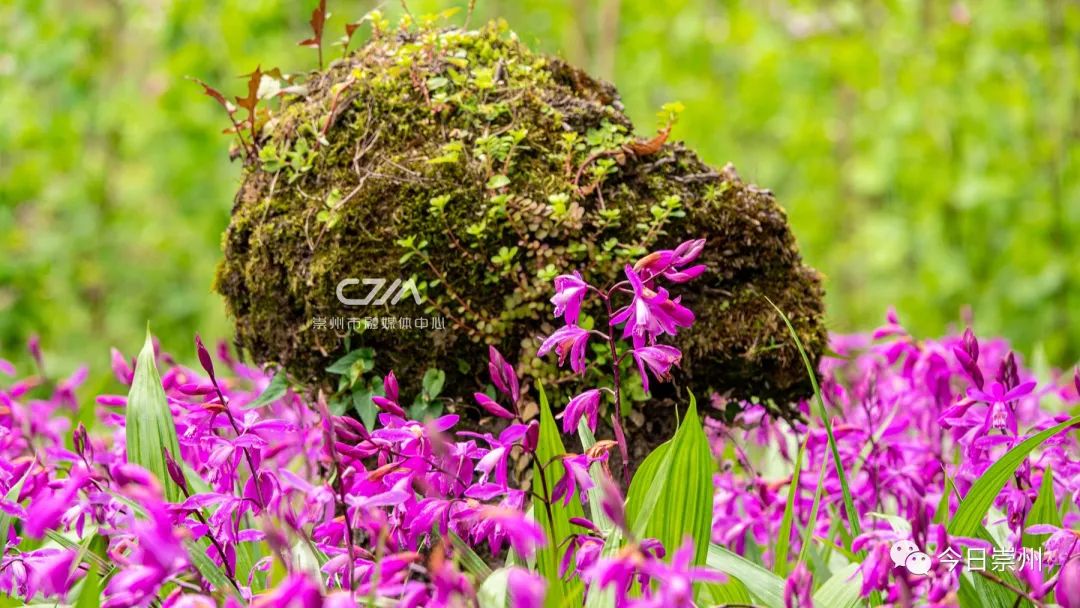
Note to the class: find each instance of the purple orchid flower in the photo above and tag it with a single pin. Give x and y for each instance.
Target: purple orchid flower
(575, 479)
(651, 313)
(570, 291)
(568, 341)
(586, 405)
(659, 359)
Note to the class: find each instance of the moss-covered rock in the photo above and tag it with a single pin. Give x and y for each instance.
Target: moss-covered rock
(480, 169)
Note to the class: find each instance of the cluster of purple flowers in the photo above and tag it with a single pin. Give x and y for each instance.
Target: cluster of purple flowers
(284, 503)
(650, 314)
(916, 423)
(281, 487)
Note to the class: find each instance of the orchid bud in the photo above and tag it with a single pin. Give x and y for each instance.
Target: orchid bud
(532, 437)
(971, 344)
(1076, 380)
(584, 523)
(1007, 374)
(204, 358)
(351, 428)
(688, 252)
(175, 472)
(194, 388)
(969, 366)
(388, 405)
(34, 346)
(687, 275)
(488, 405)
(1012, 369)
(503, 375)
(390, 386)
(82, 443)
(121, 367)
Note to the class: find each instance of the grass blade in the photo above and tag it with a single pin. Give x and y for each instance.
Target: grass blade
(150, 428)
(81, 551)
(783, 542)
(470, 561)
(845, 489)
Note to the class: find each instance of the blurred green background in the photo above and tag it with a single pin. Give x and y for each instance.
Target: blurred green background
(927, 151)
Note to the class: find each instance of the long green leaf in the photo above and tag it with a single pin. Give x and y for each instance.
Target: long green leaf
(685, 500)
(150, 427)
(643, 479)
(556, 520)
(841, 590)
(783, 541)
(762, 584)
(90, 594)
(849, 504)
(969, 515)
(677, 484)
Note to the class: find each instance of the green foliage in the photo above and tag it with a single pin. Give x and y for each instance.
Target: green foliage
(90, 594)
(556, 519)
(277, 388)
(671, 496)
(682, 488)
(149, 422)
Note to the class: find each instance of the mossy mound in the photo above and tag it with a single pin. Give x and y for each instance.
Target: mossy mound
(480, 169)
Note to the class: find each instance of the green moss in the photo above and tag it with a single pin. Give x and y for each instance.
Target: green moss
(496, 135)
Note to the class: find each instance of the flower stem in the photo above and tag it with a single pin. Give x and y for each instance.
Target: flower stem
(616, 418)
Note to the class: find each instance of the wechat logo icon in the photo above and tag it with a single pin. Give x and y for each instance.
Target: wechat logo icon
(905, 554)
